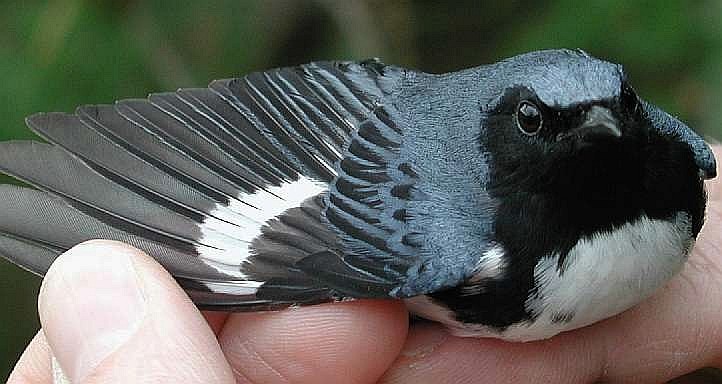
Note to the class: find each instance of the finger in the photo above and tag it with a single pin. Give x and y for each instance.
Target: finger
(674, 332)
(431, 355)
(34, 365)
(350, 342)
(113, 315)
(215, 320)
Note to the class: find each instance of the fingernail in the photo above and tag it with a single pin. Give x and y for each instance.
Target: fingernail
(90, 304)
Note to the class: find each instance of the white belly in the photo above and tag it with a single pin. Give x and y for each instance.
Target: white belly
(601, 276)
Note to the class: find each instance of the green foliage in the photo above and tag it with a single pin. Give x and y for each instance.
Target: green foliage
(59, 54)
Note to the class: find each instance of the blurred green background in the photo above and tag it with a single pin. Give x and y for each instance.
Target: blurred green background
(55, 55)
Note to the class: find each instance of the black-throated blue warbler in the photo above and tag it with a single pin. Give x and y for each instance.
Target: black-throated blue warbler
(514, 200)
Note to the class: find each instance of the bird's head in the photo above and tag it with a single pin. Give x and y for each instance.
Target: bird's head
(566, 121)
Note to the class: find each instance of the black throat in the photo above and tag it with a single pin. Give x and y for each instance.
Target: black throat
(546, 208)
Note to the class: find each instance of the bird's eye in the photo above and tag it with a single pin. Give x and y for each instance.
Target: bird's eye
(528, 118)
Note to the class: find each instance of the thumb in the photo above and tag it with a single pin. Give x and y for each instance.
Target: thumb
(111, 315)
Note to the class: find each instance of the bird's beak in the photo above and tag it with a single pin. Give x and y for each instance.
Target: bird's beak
(598, 124)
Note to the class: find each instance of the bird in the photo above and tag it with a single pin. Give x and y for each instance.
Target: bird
(514, 200)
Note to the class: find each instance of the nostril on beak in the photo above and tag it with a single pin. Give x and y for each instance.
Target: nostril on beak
(599, 123)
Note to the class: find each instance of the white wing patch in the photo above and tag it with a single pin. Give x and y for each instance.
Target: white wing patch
(236, 288)
(226, 242)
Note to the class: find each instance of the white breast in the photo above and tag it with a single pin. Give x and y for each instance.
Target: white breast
(601, 276)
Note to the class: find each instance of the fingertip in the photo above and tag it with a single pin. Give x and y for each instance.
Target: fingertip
(111, 313)
(77, 257)
(88, 308)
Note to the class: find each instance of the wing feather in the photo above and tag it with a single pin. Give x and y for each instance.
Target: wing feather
(225, 186)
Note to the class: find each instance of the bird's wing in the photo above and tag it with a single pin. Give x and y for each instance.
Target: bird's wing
(225, 186)
(366, 205)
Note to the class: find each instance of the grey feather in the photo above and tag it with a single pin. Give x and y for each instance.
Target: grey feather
(41, 220)
(55, 170)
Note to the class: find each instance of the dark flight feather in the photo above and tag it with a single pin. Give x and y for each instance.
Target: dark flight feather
(31, 255)
(187, 176)
(106, 120)
(40, 220)
(131, 171)
(56, 171)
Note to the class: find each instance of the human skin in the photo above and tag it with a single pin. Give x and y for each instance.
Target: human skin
(111, 314)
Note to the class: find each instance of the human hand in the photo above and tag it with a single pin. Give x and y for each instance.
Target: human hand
(111, 314)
